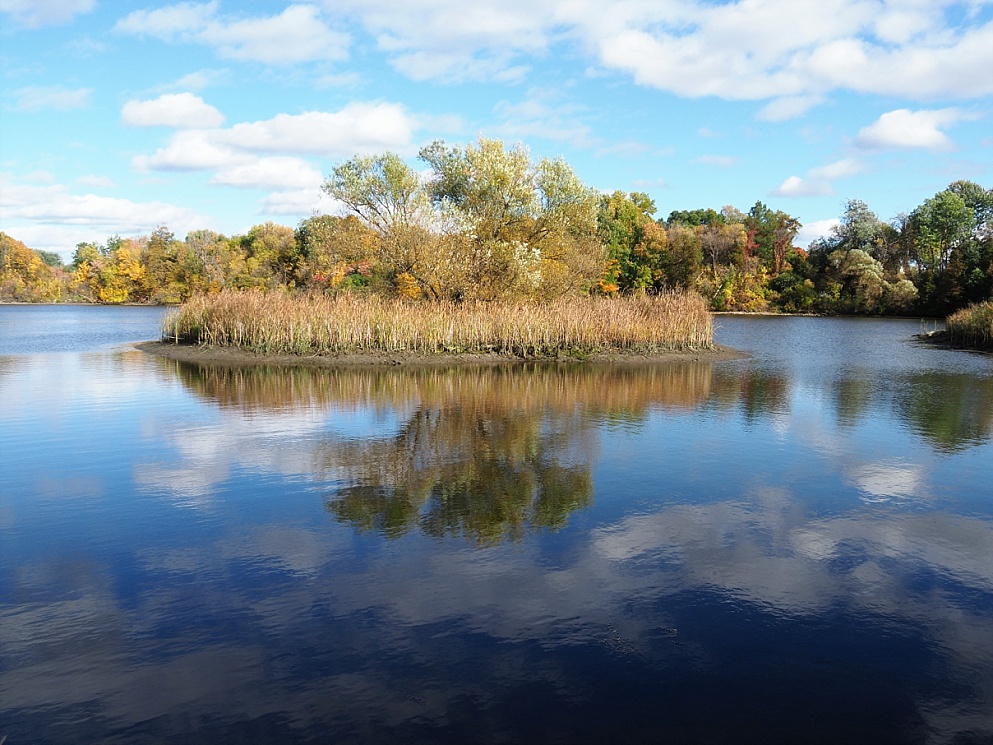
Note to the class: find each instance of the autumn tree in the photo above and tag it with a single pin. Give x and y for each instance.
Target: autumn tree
(488, 222)
(522, 227)
(336, 252)
(24, 274)
(387, 195)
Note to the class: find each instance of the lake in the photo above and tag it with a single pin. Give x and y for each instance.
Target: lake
(796, 547)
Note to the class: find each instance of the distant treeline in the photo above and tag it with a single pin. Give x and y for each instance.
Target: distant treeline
(489, 223)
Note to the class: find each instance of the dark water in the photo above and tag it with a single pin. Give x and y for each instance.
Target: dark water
(793, 548)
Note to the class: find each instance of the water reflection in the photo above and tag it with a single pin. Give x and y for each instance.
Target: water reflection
(486, 453)
(952, 411)
(688, 553)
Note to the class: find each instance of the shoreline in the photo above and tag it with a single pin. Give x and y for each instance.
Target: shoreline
(235, 357)
(942, 340)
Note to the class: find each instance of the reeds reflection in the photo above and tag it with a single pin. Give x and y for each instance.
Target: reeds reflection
(487, 453)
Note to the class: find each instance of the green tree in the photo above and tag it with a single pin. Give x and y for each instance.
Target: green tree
(937, 228)
(622, 221)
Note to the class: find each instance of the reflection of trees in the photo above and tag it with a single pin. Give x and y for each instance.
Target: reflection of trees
(491, 453)
(484, 452)
(471, 468)
(853, 397)
(756, 391)
(621, 392)
(951, 410)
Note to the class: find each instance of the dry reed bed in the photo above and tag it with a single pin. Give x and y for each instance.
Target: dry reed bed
(350, 324)
(972, 326)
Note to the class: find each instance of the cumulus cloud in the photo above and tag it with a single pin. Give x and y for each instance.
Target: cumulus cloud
(180, 110)
(905, 129)
(297, 202)
(53, 217)
(188, 150)
(99, 182)
(542, 115)
(37, 13)
(794, 186)
(818, 181)
(298, 34)
(793, 54)
(51, 98)
(356, 128)
(454, 41)
(787, 107)
(838, 169)
(815, 229)
(272, 172)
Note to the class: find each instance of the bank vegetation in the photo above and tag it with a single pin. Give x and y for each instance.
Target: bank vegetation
(972, 326)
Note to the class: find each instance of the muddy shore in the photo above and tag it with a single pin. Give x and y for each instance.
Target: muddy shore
(233, 357)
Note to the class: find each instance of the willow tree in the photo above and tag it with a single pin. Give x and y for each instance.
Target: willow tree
(520, 227)
(387, 195)
(487, 222)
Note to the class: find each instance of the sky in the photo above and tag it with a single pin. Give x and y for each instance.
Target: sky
(120, 117)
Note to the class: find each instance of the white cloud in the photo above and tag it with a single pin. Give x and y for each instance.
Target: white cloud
(298, 202)
(99, 182)
(54, 98)
(194, 81)
(170, 22)
(40, 176)
(180, 110)
(838, 169)
(356, 128)
(455, 41)
(787, 107)
(273, 172)
(794, 186)
(298, 34)
(721, 161)
(818, 181)
(295, 35)
(53, 218)
(905, 129)
(791, 52)
(36, 13)
(811, 231)
(542, 115)
(188, 150)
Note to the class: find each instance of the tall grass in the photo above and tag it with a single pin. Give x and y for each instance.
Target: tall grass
(972, 326)
(349, 324)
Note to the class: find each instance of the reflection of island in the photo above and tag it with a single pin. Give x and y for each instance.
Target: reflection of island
(951, 411)
(755, 392)
(484, 452)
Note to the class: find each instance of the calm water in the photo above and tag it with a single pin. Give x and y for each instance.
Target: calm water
(792, 548)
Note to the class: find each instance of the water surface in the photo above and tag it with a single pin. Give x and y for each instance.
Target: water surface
(795, 547)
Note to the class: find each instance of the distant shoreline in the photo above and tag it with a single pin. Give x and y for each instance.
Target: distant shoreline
(234, 357)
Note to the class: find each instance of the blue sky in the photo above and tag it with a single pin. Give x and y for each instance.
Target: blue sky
(119, 117)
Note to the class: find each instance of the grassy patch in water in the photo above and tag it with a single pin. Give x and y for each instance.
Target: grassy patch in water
(277, 324)
(972, 326)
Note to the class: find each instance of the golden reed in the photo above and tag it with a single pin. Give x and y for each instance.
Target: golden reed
(972, 326)
(276, 324)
